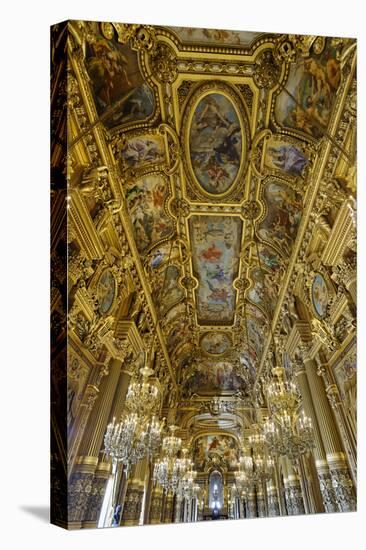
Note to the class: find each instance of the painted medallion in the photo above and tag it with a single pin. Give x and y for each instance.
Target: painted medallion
(215, 143)
(319, 295)
(106, 290)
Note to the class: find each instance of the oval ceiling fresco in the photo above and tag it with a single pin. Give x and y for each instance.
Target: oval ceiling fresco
(215, 143)
(319, 295)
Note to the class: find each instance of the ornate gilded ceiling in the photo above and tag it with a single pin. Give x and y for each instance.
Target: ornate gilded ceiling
(215, 137)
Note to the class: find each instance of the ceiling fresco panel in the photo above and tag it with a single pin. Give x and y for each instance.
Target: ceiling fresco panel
(283, 214)
(216, 242)
(120, 92)
(217, 449)
(146, 199)
(192, 35)
(311, 88)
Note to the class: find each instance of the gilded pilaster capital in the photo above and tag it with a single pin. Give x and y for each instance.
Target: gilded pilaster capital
(298, 366)
(90, 396)
(333, 396)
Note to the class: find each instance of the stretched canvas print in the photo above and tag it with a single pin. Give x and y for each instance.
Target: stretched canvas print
(203, 261)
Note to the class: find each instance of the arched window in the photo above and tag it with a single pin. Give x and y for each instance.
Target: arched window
(216, 490)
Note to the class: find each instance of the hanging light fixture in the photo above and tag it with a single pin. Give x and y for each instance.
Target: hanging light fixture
(138, 433)
(242, 481)
(133, 438)
(171, 469)
(286, 431)
(187, 486)
(256, 461)
(143, 396)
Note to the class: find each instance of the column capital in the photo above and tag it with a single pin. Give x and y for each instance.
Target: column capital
(298, 365)
(333, 396)
(299, 339)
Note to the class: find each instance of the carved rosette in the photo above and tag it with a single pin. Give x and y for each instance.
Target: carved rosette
(141, 37)
(267, 70)
(251, 210)
(164, 63)
(179, 208)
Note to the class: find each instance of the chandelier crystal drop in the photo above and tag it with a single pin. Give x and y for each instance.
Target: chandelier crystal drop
(281, 393)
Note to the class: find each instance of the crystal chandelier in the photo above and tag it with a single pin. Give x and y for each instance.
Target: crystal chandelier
(138, 433)
(143, 396)
(187, 486)
(242, 481)
(258, 467)
(282, 394)
(170, 470)
(133, 438)
(286, 431)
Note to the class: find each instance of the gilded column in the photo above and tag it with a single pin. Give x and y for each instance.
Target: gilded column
(178, 509)
(88, 480)
(341, 481)
(132, 506)
(241, 508)
(86, 406)
(272, 498)
(261, 504)
(121, 391)
(288, 500)
(251, 504)
(201, 505)
(348, 440)
(278, 483)
(293, 491)
(156, 505)
(168, 508)
(325, 481)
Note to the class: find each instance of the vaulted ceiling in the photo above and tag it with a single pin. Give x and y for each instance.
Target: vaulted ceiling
(215, 136)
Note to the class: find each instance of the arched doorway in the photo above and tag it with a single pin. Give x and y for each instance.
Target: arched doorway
(216, 493)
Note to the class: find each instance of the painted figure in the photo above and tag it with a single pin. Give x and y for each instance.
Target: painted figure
(215, 143)
(313, 82)
(216, 242)
(288, 158)
(141, 151)
(120, 93)
(145, 201)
